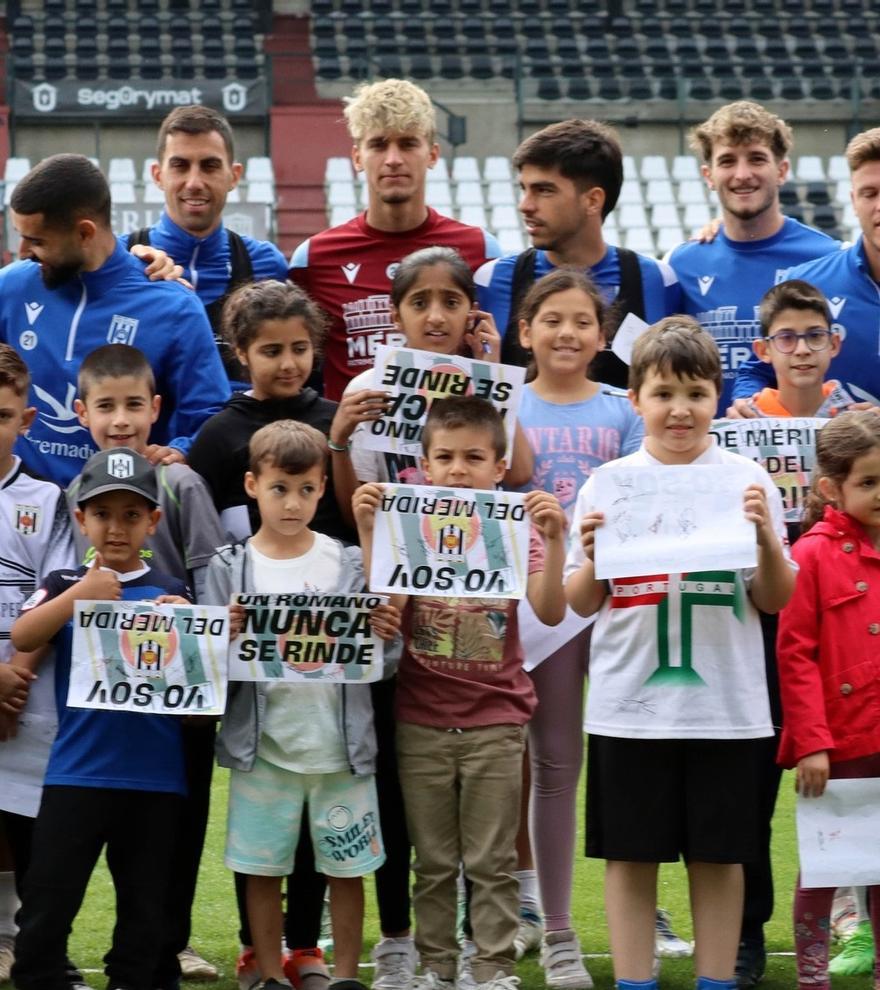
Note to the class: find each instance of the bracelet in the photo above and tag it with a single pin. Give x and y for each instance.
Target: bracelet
(339, 448)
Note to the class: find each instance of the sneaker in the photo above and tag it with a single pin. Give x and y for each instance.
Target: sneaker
(194, 967)
(529, 935)
(500, 981)
(246, 970)
(465, 978)
(844, 917)
(7, 958)
(751, 960)
(306, 970)
(667, 944)
(395, 961)
(429, 980)
(563, 963)
(348, 983)
(857, 955)
(273, 984)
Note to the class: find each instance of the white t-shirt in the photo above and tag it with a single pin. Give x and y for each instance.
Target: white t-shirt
(302, 728)
(678, 656)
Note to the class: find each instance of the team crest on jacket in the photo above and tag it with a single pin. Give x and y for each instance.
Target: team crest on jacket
(27, 518)
(122, 329)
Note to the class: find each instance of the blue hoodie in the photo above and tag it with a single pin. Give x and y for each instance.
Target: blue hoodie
(854, 300)
(54, 329)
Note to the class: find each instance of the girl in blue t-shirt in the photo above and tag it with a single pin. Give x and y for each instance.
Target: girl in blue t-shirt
(574, 424)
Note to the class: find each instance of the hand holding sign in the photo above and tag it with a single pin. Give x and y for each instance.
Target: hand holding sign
(546, 514)
(385, 621)
(100, 583)
(363, 406)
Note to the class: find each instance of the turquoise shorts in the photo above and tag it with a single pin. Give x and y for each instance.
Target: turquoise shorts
(265, 817)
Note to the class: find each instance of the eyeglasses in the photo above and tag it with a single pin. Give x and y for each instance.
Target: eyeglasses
(786, 341)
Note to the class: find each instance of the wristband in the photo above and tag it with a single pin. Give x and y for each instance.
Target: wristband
(339, 448)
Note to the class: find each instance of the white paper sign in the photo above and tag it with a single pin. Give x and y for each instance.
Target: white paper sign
(144, 657)
(414, 379)
(455, 542)
(785, 448)
(839, 834)
(307, 637)
(672, 519)
(631, 327)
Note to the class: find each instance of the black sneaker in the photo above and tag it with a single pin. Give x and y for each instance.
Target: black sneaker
(347, 983)
(751, 961)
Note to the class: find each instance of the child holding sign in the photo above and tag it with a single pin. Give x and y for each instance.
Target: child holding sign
(292, 744)
(574, 424)
(827, 647)
(114, 778)
(463, 700)
(678, 694)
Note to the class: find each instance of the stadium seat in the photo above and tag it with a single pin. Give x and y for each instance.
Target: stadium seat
(259, 169)
(659, 191)
(338, 169)
(121, 170)
(696, 215)
(630, 215)
(439, 195)
(654, 167)
(692, 191)
(609, 229)
(153, 194)
(795, 211)
(664, 215)
(579, 89)
(809, 168)
(817, 194)
(497, 168)
(439, 172)
(340, 215)
(16, 168)
(122, 192)
(469, 194)
(510, 240)
(260, 192)
(474, 215)
(504, 217)
(465, 169)
(500, 194)
(630, 192)
(668, 238)
(685, 167)
(841, 190)
(629, 168)
(788, 194)
(825, 218)
(338, 194)
(639, 239)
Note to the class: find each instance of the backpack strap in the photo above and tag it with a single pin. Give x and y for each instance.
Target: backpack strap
(512, 351)
(241, 272)
(607, 366)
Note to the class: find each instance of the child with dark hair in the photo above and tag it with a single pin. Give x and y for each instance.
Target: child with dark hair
(291, 745)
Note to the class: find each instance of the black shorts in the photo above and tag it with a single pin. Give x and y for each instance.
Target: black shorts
(655, 800)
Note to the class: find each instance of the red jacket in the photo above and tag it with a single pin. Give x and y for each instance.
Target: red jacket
(828, 648)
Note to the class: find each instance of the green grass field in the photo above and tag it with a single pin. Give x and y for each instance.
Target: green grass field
(215, 923)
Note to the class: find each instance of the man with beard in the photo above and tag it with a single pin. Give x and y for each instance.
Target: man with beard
(76, 289)
(570, 174)
(744, 149)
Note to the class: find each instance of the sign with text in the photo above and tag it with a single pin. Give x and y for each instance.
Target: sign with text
(672, 519)
(785, 448)
(307, 637)
(144, 657)
(414, 379)
(455, 542)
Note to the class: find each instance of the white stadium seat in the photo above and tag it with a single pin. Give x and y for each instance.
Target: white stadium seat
(631, 215)
(496, 168)
(338, 169)
(664, 215)
(510, 239)
(123, 192)
(16, 168)
(685, 167)
(259, 169)
(629, 167)
(640, 239)
(341, 214)
(654, 167)
(260, 192)
(810, 169)
(668, 238)
(504, 218)
(474, 215)
(465, 169)
(691, 191)
(121, 170)
(338, 194)
(659, 191)
(500, 194)
(469, 194)
(440, 171)
(630, 192)
(838, 168)
(439, 195)
(696, 215)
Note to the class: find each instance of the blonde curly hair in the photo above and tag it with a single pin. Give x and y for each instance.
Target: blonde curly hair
(390, 105)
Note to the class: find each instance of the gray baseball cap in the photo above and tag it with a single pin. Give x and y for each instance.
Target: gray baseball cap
(119, 469)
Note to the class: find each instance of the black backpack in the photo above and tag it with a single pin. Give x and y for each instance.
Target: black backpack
(607, 366)
(242, 272)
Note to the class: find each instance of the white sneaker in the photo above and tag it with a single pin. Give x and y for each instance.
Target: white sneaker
(395, 960)
(528, 936)
(194, 967)
(500, 981)
(429, 980)
(563, 962)
(666, 943)
(7, 958)
(465, 979)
